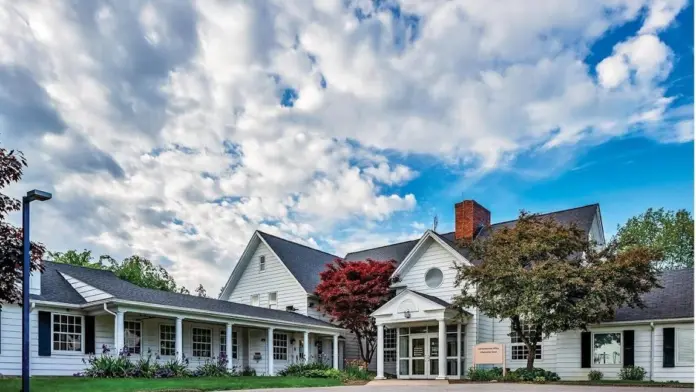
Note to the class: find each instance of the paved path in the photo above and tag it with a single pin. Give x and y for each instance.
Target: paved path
(442, 387)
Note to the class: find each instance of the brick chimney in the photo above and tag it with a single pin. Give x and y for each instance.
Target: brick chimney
(469, 216)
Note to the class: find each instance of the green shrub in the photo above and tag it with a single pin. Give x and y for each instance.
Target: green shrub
(173, 368)
(511, 377)
(530, 375)
(106, 366)
(301, 369)
(213, 367)
(539, 380)
(479, 374)
(326, 373)
(633, 373)
(352, 372)
(595, 375)
(247, 371)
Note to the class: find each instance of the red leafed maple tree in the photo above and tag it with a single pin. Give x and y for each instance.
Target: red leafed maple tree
(350, 291)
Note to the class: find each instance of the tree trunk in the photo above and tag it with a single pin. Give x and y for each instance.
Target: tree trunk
(531, 350)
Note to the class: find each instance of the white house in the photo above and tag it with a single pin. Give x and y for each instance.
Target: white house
(267, 317)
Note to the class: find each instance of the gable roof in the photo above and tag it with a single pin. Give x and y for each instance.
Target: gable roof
(432, 298)
(304, 263)
(397, 252)
(675, 300)
(123, 290)
(581, 216)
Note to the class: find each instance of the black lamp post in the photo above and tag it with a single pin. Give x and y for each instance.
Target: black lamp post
(26, 273)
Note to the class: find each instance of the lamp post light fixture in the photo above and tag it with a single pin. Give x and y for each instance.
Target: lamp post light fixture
(34, 195)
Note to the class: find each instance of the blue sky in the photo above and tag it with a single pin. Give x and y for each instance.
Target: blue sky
(340, 124)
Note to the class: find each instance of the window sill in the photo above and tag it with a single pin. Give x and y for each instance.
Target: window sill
(68, 353)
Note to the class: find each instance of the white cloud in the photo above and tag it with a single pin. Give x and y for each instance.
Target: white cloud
(159, 125)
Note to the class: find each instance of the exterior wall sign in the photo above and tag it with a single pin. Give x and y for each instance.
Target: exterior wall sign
(489, 354)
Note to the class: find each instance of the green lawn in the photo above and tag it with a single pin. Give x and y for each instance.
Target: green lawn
(79, 384)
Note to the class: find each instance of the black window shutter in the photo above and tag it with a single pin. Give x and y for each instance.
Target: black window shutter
(89, 334)
(0, 330)
(668, 347)
(45, 334)
(628, 353)
(586, 349)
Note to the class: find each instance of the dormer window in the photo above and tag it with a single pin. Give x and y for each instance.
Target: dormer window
(262, 263)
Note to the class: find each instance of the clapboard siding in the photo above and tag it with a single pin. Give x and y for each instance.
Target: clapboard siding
(275, 278)
(434, 255)
(58, 364)
(89, 293)
(679, 373)
(548, 348)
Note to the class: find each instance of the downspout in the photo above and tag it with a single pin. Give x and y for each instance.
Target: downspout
(652, 349)
(115, 325)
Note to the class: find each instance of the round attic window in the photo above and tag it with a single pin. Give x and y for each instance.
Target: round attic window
(433, 278)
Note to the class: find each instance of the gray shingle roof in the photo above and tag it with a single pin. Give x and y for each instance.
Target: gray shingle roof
(54, 288)
(674, 300)
(121, 289)
(581, 216)
(304, 263)
(432, 298)
(396, 252)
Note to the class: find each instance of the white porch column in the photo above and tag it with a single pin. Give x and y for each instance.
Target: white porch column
(269, 340)
(442, 352)
(118, 331)
(313, 349)
(459, 350)
(380, 352)
(228, 345)
(305, 346)
(179, 339)
(335, 351)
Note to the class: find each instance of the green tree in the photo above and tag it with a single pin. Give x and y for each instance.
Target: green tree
(670, 232)
(73, 257)
(135, 269)
(12, 164)
(550, 278)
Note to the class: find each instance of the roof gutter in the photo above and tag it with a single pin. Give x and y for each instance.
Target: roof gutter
(646, 322)
(195, 311)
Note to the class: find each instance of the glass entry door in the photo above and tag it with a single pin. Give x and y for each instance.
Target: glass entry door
(424, 356)
(418, 356)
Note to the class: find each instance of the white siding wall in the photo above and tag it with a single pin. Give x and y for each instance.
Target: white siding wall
(433, 256)
(275, 278)
(568, 355)
(89, 293)
(58, 364)
(596, 231)
(548, 348)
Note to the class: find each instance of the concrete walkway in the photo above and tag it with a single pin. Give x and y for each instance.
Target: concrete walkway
(440, 386)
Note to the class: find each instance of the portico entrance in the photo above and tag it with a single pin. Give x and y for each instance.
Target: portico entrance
(430, 335)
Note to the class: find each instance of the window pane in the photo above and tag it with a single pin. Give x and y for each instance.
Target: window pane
(403, 367)
(607, 348)
(451, 345)
(419, 329)
(685, 346)
(403, 347)
(451, 367)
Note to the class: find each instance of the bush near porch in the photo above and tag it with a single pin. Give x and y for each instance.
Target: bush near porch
(354, 370)
(83, 384)
(537, 375)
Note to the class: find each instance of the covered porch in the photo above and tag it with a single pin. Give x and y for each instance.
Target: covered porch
(189, 335)
(430, 337)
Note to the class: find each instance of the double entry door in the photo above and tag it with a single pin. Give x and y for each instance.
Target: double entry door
(424, 355)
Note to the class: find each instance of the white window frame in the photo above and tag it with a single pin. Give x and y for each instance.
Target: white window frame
(193, 343)
(273, 304)
(139, 347)
(262, 263)
(390, 344)
(258, 300)
(161, 353)
(223, 343)
(676, 346)
(517, 342)
(621, 349)
(280, 350)
(53, 333)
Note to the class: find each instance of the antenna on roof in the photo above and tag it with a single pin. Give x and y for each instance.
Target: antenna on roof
(435, 221)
